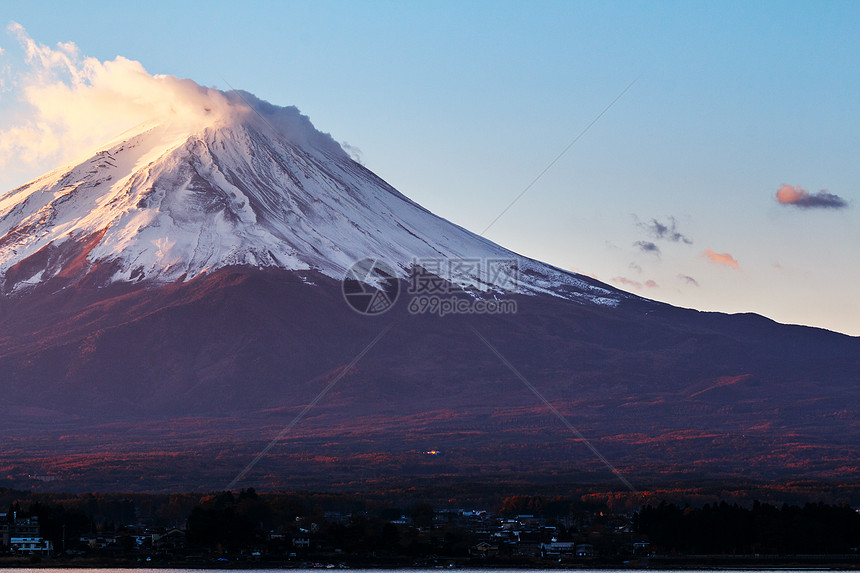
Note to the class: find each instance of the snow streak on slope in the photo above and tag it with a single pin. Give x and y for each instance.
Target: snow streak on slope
(258, 187)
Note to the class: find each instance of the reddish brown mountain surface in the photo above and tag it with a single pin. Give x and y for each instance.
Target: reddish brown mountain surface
(178, 387)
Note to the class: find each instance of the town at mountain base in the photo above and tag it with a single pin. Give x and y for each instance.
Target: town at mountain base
(584, 529)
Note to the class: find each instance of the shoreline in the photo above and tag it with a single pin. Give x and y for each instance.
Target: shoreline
(654, 563)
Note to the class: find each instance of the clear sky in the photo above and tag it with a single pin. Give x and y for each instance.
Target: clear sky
(672, 194)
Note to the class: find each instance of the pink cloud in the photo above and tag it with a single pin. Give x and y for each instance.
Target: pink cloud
(634, 284)
(721, 258)
(627, 282)
(800, 197)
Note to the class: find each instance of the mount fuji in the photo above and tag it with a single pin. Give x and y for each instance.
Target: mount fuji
(170, 303)
(253, 186)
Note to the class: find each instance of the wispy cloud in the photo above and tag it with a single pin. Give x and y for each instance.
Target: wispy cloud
(635, 267)
(627, 282)
(354, 152)
(721, 258)
(689, 280)
(664, 231)
(800, 197)
(647, 247)
(634, 284)
(75, 103)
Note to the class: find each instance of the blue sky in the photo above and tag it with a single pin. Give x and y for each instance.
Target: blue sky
(461, 104)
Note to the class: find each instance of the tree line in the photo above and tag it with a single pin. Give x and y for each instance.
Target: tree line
(814, 528)
(239, 520)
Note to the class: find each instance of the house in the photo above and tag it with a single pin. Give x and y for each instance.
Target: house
(18, 528)
(301, 542)
(96, 541)
(529, 543)
(585, 550)
(484, 550)
(558, 548)
(25, 527)
(641, 548)
(170, 540)
(31, 545)
(528, 548)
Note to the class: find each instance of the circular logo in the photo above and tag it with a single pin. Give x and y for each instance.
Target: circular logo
(371, 286)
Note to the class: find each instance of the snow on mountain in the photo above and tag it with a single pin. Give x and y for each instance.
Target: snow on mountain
(249, 183)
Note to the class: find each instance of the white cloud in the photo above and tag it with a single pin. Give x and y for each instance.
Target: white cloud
(74, 103)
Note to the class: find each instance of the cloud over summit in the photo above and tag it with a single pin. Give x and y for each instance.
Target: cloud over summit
(73, 104)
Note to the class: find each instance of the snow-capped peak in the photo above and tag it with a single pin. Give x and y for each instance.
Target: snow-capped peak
(233, 181)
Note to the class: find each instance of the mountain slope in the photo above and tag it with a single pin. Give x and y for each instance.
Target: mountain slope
(162, 205)
(178, 387)
(173, 302)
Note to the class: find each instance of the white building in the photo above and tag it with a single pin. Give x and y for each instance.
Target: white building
(30, 545)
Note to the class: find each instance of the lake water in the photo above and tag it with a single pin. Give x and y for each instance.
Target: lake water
(409, 570)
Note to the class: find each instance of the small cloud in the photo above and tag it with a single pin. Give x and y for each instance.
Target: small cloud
(634, 284)
(647, 247)
(635, 267)
(800, 197)
(665, 231)
(720, 258)
(689, 280)
(627, 282)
